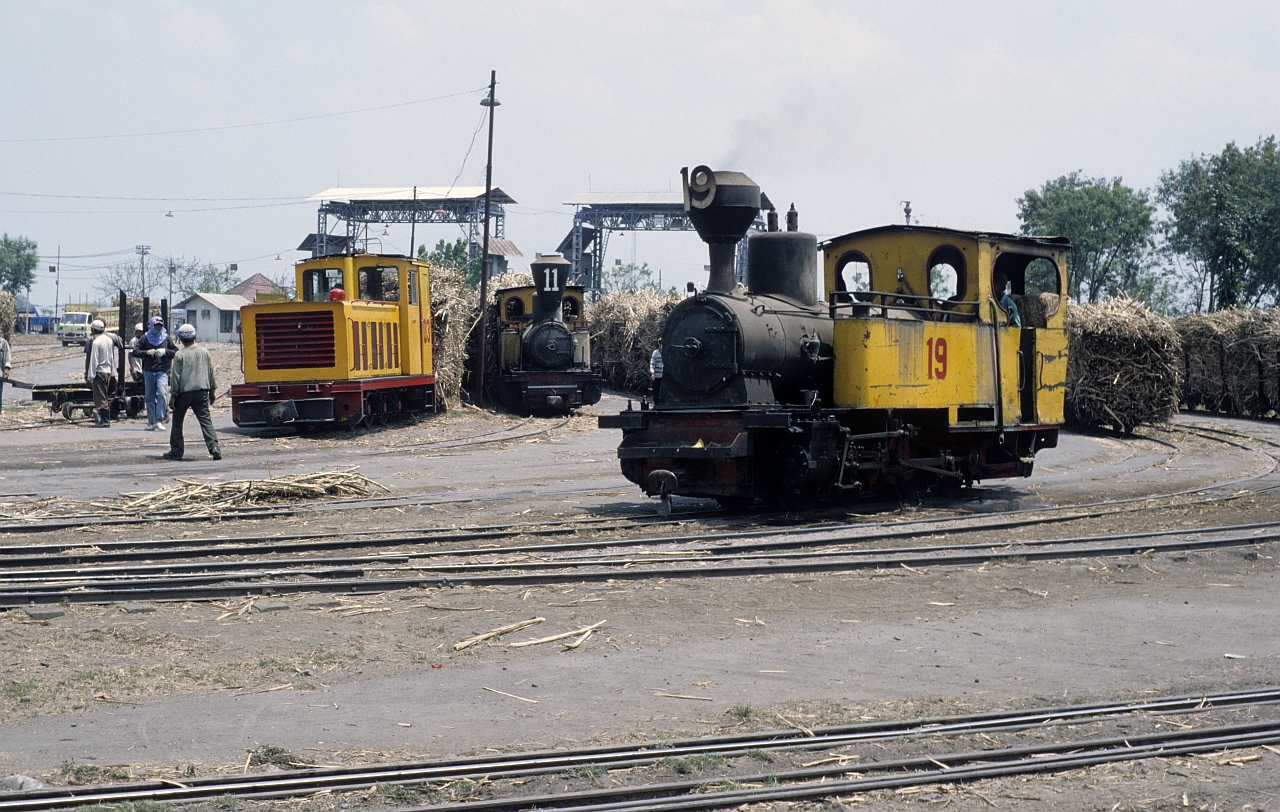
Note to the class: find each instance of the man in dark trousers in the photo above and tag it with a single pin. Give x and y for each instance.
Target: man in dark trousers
(193, 387)
(100, 371)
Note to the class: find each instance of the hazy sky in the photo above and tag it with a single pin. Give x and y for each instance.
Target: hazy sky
(845, 109)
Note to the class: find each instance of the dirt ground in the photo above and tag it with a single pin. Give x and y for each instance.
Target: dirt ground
(190, 688)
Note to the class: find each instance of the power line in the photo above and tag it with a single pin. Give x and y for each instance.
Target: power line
(236, 126)
(159, 211)
(149, 199)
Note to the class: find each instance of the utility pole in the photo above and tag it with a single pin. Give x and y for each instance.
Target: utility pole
(57, 286)
(142, 270)
(170, 299)
(491, 103)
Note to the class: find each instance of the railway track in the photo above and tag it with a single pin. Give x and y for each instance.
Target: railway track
(218, 579)
(824, 778)
(68, 521)
(168, 570)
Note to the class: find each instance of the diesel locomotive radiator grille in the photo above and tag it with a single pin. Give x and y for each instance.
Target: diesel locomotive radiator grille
(294, 340)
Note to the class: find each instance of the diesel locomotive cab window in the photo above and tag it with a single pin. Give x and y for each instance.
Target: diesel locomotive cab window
(380, 283)
(413, 286)
(317, 284)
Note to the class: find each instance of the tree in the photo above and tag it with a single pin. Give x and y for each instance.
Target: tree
(1110, 227)
(153, 278)
(18, 261)
(453, 255)
(1223, 226)
(208, 278)
(631, 277)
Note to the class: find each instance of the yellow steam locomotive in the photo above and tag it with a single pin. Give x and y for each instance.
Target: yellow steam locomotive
(937, 359)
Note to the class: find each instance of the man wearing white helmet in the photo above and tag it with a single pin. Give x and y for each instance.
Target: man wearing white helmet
(100, 371)
(193, 387)
(135, 364)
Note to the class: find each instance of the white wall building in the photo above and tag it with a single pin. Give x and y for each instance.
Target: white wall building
(216, 316)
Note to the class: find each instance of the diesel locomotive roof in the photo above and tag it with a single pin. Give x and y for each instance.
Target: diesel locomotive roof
(1056, 242)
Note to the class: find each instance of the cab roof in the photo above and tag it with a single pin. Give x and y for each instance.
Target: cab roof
(1057, 242)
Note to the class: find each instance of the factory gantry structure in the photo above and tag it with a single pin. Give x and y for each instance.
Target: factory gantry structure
(598, 213)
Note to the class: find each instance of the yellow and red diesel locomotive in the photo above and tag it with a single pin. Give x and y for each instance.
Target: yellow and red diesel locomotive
(354, 347)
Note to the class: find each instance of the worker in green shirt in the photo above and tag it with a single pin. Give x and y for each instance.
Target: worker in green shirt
(192, 386)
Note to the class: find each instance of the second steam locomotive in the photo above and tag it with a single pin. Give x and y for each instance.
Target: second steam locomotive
(915, 372)
(544, 343)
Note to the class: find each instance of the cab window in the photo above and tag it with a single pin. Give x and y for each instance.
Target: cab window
(317, 283)
(413, 286)
(379, 283)
(947, 273)
(853, 272)
(513, 310)
(571, 309)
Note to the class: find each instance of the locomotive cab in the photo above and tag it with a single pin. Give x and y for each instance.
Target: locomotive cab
(922, 332)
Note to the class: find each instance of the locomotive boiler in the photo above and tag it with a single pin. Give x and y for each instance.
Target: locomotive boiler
(908, 376)
(545, 344)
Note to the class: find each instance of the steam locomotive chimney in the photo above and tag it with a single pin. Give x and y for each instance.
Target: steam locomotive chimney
(721, 206)
(550, 276)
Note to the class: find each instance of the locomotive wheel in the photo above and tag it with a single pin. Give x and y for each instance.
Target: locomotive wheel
(67, 410)
(384, 411)
(369, 418)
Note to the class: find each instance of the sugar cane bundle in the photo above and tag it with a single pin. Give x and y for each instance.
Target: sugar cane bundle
(193, 496)
(8, 313)
(1249, 362)
(626, 326)
(453, 309)
(1203, 347)
(1123, 367)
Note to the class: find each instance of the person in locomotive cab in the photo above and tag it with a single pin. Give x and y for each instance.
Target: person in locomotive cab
(1010, 307)
(194, 388)
(655, 371)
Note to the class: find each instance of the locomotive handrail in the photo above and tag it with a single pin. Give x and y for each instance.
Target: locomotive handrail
(864, 303)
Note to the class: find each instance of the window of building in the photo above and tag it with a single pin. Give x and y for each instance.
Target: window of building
(379, 283)
(228, 324)
(317, 283)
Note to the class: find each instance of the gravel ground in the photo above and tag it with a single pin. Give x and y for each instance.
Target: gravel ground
(189, 688)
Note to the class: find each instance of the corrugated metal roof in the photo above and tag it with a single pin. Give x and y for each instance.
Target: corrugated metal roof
(500, 247)
(405, 193)
(221, 301)
(626, 199)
